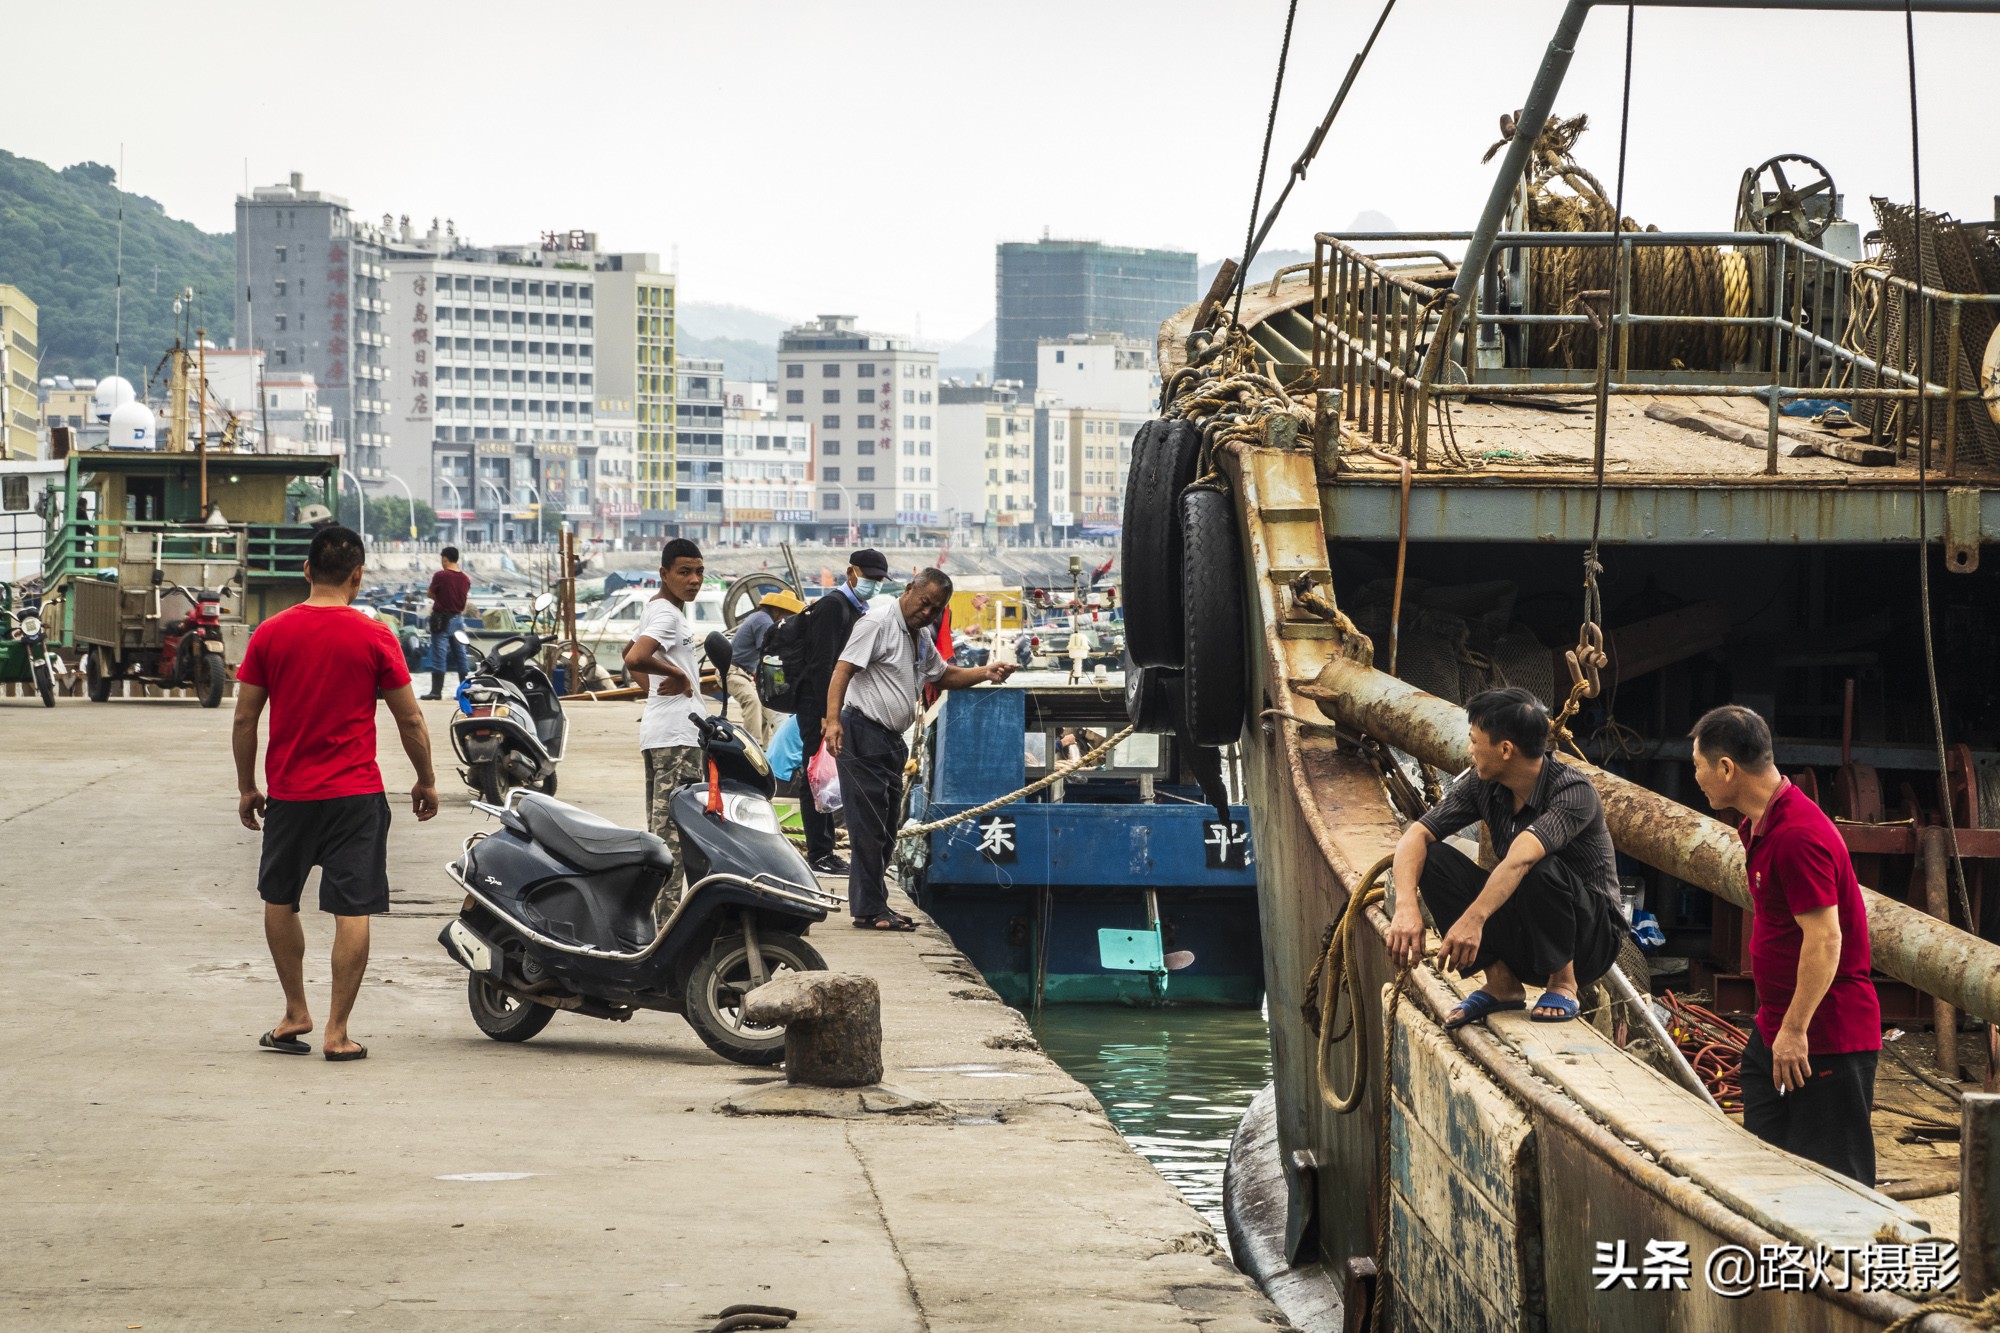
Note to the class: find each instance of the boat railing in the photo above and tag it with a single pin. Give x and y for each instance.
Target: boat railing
(1815, 326)
(84, 547)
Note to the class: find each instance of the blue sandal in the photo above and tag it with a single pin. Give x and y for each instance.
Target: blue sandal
(1565, 1006)
(1476, 1006)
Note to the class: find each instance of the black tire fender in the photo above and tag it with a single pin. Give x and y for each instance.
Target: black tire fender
(1149, 692)
(1216, 635)
(1164, 455)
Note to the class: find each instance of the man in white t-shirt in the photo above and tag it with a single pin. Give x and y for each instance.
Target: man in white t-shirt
(663, 655)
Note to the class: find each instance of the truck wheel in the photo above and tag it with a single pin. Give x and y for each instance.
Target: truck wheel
(97, 682)
(501, 1016)
(1215, 630)
(208, 680)
(714, 1002)
(1163, 461)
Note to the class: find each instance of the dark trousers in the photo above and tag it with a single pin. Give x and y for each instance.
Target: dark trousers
(1826, 1121)
(820, 827)
(1552, 918)
(871, 792)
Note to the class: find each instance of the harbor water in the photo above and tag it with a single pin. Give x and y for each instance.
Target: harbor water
(1175, 1081)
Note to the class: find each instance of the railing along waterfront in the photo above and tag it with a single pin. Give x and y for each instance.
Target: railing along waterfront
(86, 546)
(1376, 337)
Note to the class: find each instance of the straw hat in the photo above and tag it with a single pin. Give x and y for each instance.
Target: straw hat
(782, 600)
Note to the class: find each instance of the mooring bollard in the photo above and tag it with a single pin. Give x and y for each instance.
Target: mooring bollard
(832, 1022)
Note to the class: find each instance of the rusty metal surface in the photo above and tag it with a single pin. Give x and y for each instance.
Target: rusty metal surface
(1938, 959)
(1979, 1194)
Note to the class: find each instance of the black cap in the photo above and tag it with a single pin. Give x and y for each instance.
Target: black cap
(871, 562)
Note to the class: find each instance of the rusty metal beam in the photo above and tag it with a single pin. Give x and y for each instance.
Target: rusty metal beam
(1936, 958)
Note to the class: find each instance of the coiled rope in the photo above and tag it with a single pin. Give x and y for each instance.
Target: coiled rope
(1663, 280)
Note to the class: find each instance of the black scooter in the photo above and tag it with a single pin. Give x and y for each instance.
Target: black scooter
(558, 912)
(510, 730)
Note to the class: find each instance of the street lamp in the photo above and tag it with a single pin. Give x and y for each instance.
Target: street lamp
(847, 502)
(501, 496)
(408, 498)
(538, 510)
(457, 504)
(361, 528)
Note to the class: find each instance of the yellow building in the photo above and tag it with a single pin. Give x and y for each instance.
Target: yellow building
(1094, 477)
(20, 372)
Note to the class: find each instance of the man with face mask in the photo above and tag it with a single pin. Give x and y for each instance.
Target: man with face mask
(875, 698)
(828, 623)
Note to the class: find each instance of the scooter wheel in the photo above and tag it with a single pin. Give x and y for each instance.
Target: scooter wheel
(208, 681)
(501, 1016)
(714, 1003)
(45, 684)
(484, 778)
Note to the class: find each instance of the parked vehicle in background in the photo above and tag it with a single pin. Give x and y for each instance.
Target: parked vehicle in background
(25, 655)
(510, 730)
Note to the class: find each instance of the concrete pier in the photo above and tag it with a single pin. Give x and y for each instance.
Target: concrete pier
(158, 1170)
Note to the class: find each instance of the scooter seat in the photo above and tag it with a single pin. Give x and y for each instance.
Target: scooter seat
(588, 841)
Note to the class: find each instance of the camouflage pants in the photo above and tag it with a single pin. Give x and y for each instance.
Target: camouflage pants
(667, 770)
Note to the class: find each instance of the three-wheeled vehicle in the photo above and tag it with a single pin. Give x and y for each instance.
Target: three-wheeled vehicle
(25, 655)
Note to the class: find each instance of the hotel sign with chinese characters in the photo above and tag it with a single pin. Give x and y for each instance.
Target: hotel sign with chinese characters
(417, 390)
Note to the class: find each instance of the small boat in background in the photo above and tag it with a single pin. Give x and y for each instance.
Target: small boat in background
(1115, 883)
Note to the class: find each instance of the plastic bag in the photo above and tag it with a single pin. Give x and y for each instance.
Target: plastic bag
(825, 779)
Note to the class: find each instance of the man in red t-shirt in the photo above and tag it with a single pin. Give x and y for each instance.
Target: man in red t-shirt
(1808, 1070)
(321, 665)
(448, 591)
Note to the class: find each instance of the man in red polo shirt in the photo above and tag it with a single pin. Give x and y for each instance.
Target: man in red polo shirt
(1808, 1070)
(321, 665)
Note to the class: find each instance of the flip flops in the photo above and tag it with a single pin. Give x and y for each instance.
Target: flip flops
(1565, 1006)
(271, 1041)
(358, 1053)
(1477, 1005)
(884, 921)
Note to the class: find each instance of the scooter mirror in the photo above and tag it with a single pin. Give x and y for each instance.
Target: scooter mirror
(462, 637)
(544, 602)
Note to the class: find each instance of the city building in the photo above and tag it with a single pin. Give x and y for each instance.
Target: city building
(697, 450)
(612, 481)
(493, 381)
(310, 295)
(1100, 370)
(20, 375)
(766, 497)
(67, 403)
(291, 418)
(986, 442)
(870, 402)
(635, 368)
(1052, 289)
(1087, 478)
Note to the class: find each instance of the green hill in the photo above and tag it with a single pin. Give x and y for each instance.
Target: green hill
(59, 244)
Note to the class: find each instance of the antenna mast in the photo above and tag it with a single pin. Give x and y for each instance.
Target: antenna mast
(118, 292)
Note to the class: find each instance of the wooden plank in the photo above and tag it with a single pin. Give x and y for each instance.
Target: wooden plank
(1427, 1283)
(1788, 446)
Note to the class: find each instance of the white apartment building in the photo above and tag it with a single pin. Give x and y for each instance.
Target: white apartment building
(1100, 370)
(870, 403)
(292, 418)
(613, 480)
(1082, 380)
(492, 381)
(766, 496)
(698, 408)
(987, 443)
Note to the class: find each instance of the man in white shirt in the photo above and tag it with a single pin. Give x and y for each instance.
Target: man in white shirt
(875, 697)
(664, 656)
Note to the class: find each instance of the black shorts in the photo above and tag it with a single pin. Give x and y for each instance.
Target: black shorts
(347, 837)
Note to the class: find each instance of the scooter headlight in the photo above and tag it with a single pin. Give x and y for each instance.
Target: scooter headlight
(750, 811)
(31, 626)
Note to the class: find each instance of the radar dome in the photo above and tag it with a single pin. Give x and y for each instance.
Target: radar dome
(113, 392)
(132, 426)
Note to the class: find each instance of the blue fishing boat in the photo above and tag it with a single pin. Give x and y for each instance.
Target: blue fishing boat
(1116, 883)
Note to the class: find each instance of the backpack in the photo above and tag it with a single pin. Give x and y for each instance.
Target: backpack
(783, 664)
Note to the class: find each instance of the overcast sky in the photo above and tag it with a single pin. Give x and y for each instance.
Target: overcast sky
(864, 158)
